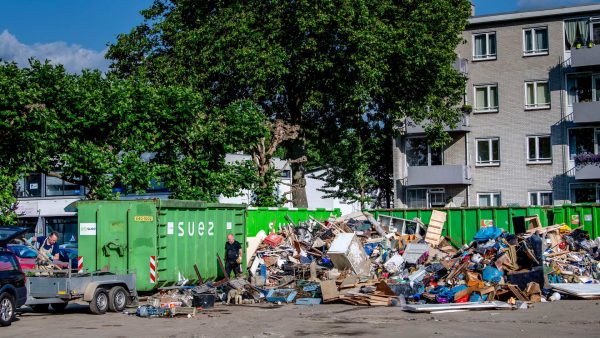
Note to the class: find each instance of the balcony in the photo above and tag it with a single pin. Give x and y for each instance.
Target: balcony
(413, 128)
(438, 175)
(586, 112)
(585, 56)
(590, 171)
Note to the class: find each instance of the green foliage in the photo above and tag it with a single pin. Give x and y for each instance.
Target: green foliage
(104, 132)
(323, 66)
(8, 199)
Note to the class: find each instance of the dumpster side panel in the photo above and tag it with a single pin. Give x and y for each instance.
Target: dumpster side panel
(159, 241)
(263, 218)
(191, 236)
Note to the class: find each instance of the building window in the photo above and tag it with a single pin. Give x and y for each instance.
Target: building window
(585, 193)
(416, 198)
(577, 33)
(535, 41)
(419, 153)
(488, 151)
(30, 186)
(57, 187)
(596, 31)
(489, 199)
(539, 149)
(65, 226)
(583, 88)
(486, 98)
(426, 198)
(484, 46)
(537, 95)
(540, 198)
(583, 141)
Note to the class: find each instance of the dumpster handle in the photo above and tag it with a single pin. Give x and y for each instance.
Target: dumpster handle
(113, 246)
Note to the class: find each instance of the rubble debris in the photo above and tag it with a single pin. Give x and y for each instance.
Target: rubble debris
(398, 262)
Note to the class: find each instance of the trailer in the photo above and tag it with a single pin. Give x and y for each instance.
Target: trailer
(103, 291)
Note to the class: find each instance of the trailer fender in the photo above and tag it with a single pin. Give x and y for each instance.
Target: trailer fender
(91, 287)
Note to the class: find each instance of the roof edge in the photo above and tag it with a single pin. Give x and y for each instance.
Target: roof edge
(538, 13)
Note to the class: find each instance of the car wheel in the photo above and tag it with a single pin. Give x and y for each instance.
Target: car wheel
(59, 307)
(117, 299)
(39, 308)
(99, 303)
(7, 309)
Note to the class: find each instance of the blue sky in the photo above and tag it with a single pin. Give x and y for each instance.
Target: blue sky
(75, 32)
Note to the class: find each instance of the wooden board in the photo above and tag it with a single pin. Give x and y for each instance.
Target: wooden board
(435, 228)
(329, 290)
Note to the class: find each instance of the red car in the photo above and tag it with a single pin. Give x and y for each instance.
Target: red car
(27, 256)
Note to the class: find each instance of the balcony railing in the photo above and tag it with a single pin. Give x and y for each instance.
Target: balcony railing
(585, 56)
(413, 128)
(586, 112)
(439, 175)
(589, 171)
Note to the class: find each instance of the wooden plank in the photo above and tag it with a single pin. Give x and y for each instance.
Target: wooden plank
(436, 227)
(329, 290)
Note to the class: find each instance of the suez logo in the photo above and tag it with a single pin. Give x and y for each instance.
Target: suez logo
(193, 228)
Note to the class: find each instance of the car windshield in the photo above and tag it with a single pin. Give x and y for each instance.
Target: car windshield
(22, 251)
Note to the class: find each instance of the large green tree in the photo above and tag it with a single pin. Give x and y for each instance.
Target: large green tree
(325, 66)
(104, 132)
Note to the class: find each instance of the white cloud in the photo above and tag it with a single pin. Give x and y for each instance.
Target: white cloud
(534, 4)
(73, 57)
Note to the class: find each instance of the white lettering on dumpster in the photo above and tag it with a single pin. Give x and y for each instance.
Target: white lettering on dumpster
(180, 228)
(191, 228)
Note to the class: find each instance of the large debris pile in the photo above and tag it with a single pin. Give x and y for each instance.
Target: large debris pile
(392, 261)
(362, 261)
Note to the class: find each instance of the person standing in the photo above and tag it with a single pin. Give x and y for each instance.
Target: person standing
(233, 256)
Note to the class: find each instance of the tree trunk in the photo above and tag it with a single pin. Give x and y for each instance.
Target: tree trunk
(299, 198)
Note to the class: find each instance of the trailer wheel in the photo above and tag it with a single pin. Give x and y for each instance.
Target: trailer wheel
(117, 299)
(7, 309)
(39, 308)
(59, 307)
(99, 303)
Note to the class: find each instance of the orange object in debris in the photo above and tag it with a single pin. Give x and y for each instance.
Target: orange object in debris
(462, 299)
(273, 240)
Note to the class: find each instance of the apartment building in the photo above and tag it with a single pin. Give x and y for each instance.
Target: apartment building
(532, 117)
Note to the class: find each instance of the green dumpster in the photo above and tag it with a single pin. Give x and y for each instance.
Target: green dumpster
(264, 218)
(158, 240)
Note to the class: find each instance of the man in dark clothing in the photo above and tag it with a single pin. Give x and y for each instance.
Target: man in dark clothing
(47, 246)
(233, 256)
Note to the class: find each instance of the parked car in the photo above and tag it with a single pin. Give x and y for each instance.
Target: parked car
(27, 257)
(13, 290)
(68, 251)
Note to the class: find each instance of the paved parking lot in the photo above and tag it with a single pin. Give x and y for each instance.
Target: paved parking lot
(566, 318)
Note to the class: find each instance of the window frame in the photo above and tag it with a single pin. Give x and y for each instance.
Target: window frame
(491, 163)
(538, 195)
(487, 56)
(537, 160)
(491, 195)
(488, 109)
(533, 41)
(429, 152)
(536, 105)
(428, 192)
